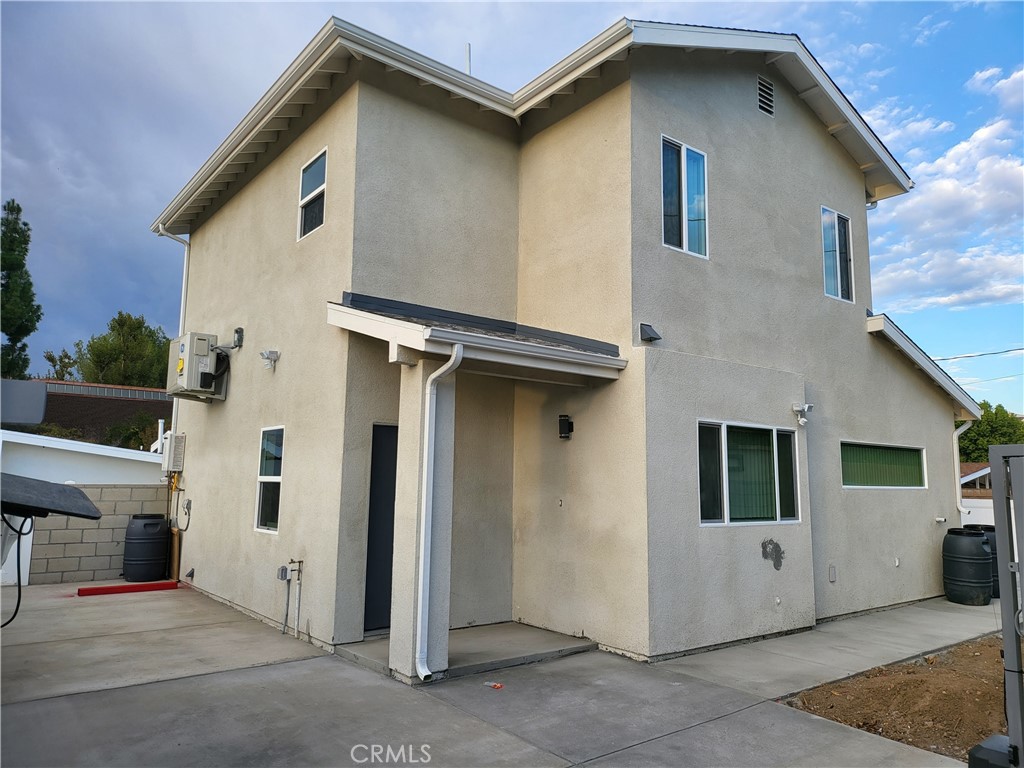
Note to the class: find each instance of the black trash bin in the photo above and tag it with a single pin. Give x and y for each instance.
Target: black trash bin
(145, 548)
(966, 567)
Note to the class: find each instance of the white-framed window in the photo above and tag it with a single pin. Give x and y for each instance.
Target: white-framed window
(835, 239)
(746, 474)
(684, 185)
(268, 492)
(866, 465)
(312, 192)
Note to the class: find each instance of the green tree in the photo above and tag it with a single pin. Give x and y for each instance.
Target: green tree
(138, 432)
(997, 426)
(19, 312)
(62, 366)
(130, 353)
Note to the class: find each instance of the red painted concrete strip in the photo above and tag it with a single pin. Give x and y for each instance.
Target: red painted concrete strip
(117, 589)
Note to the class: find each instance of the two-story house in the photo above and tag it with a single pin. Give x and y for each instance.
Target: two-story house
(549, 356)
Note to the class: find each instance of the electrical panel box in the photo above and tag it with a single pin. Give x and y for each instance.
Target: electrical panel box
(173, 453)
(196, 369)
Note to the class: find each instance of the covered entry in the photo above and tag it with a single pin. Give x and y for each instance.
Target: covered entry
(433, 347)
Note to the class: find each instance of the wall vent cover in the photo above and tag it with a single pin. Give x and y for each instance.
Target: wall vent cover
(766, 96)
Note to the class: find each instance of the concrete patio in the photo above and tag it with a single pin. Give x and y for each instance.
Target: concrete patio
(174, 678)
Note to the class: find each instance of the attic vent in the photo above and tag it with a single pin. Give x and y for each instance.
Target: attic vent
(766, 96)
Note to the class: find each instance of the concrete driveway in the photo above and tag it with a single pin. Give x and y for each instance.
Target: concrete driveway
(176, 679)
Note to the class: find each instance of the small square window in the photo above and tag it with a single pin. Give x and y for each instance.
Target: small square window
(312, 191)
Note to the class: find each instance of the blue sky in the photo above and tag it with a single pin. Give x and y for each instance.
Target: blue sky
(107, 110)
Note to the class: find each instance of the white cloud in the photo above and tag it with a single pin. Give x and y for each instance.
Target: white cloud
(1009, 90)
(901, 128)
(927, 28)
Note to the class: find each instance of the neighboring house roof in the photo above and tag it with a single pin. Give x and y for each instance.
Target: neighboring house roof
(970, 471)
(338, 43)
(883, 327)
(22, 402)
(486, 340)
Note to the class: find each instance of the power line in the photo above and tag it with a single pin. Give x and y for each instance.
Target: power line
(978, 354)
(997, 378)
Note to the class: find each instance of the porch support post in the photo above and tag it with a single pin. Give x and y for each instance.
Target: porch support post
(408, 509)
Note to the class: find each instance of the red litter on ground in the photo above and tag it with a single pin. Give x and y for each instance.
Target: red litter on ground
(495, 686)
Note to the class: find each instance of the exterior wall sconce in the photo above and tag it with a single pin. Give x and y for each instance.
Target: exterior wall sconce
(564, 427)
(802, 410)
(270, 358)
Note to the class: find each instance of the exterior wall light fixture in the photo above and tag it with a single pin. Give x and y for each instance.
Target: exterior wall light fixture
(802, 410)
(564, 427)
(270, 358)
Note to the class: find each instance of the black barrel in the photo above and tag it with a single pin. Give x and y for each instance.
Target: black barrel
(967, 567)
(145, 548)
(990, 534)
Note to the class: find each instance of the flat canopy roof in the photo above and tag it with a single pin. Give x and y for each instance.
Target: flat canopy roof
(339, 43)
(883, 327)
(491, 347)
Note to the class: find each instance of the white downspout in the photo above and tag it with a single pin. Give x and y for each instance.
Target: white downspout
(956, 468)
(427, 512)
(181, 316)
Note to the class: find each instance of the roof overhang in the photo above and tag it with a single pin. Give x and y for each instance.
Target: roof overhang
(338, 43)
(881, 326)
(492, 355)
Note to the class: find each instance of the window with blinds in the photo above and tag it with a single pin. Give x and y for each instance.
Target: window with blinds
(882, 466)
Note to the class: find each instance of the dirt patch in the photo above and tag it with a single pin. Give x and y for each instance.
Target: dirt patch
(945, 703)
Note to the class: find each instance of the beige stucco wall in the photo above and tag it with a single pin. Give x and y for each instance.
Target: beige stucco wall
(248, 270)
(579, 562)
(759, 301)
(436, 205)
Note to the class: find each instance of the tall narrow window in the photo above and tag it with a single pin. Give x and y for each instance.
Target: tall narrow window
(835, 238)
(312, 190)
(268, 502)
(684, 197)
(756, 482)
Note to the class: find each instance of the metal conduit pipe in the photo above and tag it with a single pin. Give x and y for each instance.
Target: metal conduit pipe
(427, 511)
(163, 232)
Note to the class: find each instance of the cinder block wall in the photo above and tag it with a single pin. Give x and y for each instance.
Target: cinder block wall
(66, 549)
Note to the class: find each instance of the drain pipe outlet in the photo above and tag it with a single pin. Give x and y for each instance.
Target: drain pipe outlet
(956, 468)
(427, 511)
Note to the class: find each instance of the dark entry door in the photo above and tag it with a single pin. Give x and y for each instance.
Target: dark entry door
(380, 537)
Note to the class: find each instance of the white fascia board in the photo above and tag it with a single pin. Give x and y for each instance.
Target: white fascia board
(389, 329)
(426, 69)
(77, 446)
(652, 33)
(612, 41)
(529, 354)
(882, 325)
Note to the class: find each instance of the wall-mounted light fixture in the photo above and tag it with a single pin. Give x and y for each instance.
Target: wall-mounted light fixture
(647, 333)
(270, 358)
(802, 410)
(564, 427)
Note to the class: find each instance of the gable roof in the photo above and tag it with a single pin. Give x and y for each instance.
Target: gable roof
(882, 327)
(339, 43)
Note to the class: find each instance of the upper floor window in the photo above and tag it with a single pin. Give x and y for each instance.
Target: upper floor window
(312, 190)
(684, 197)
(268, 502)
(835, 237)
(746, 474)
(882, 466)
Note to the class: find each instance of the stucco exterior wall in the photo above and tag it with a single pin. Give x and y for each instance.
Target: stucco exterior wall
(436, 205)
(580, 517)
(248, 270)
(759, 300)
